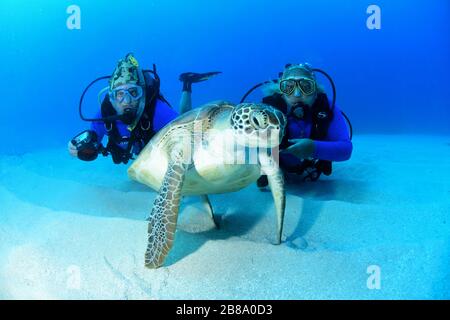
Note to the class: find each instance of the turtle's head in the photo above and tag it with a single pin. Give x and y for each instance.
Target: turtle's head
(258, 125)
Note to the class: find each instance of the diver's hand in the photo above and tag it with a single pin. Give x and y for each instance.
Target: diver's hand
(301, 148)
(72, 149)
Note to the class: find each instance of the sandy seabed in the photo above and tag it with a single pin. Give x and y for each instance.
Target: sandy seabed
(76, 230)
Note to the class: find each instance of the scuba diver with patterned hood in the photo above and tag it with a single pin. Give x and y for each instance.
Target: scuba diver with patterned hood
(132, 111)
(316, 133)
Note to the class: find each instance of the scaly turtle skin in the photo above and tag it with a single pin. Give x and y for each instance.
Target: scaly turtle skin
(208, 150)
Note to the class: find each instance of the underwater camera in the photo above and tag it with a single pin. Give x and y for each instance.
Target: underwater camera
(87, 146)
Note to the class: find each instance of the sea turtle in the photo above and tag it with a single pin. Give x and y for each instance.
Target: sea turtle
(217, 148)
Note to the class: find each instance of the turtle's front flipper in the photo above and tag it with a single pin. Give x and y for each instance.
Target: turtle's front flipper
(163, 219)
(207, 204)
(276, 183)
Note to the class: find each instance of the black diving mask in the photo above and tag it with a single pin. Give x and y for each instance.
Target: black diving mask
(307, 86)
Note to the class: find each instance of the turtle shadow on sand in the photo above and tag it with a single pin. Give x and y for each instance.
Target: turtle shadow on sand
(232, 223)
(328, 189)
(314, 194)
(187, 243)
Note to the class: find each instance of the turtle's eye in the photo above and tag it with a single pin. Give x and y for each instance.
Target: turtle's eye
(258, 120)
(255, 121)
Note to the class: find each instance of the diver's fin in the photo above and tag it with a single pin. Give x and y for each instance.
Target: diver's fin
(207, 204)
(163, 219)
(194, 77)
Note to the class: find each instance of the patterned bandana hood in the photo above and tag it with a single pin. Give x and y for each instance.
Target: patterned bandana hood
(129, 72)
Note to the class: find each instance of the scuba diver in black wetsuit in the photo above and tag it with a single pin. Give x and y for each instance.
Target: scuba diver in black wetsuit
(132, 111)
(316, 133)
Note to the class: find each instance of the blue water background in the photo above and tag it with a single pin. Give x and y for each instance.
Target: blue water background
(393, 80)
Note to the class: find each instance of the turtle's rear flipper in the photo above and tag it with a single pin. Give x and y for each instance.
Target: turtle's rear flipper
(206, 203)
(193, 77)
(163, 219)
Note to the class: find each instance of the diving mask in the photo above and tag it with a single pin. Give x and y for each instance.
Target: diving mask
(307, 86)
(134, 92)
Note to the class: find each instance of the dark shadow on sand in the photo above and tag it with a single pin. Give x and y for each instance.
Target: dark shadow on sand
(314, 195)
(235, 224)
(327, 189)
